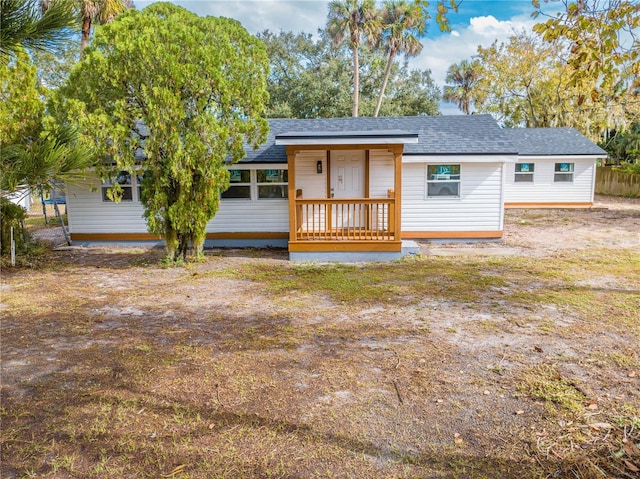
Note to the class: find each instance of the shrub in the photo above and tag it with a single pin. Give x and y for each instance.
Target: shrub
(12, 215)
(629, 168)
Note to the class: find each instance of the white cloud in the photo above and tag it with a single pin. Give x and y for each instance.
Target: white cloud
(462, 43)
(489, 26)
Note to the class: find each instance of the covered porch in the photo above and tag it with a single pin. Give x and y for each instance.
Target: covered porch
(345, 193)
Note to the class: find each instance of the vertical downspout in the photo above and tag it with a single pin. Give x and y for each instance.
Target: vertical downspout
(503, 174)
(593, 180)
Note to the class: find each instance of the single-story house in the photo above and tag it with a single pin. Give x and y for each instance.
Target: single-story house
(355, 188)
(556, 168)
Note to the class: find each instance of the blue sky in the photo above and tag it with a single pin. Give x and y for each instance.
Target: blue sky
(478, 22)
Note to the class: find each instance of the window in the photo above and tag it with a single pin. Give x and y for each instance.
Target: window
(124, 180)
(563, 173)
(272, 184)
(139, 179)
(240, 187)
(524, 173)
(257, 184)
(443, 180)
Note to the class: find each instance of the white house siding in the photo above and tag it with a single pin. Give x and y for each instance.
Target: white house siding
(237, 216)
(478, 209)
(88, 214)
(381, 171)
(313, 186)
(312, 183)
(544, 189)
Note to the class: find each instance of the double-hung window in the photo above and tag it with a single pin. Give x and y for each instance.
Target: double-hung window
(524, 173)
(240, 185)
(272, 184)
(257, 185)
(123, 180)
(563, 173)
(443, 181)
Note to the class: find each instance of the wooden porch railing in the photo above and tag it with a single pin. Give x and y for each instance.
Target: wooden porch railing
(354, 219)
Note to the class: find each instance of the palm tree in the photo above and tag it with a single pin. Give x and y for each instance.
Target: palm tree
(355, 20)
(403, 23)
(98, 11)
(23, 24)
(464, 77)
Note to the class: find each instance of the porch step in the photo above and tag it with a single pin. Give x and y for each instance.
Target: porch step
(408, 248)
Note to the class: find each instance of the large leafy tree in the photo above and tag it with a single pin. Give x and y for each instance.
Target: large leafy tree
(198, 85)
(528, 98)
(24, 25)
(354, 20)
(412, 93)
(602, 58)
(54, 67)
(579, 68)
(309, 78)
(603, 47)
(542, 94)
(462, 80)
(404, 22)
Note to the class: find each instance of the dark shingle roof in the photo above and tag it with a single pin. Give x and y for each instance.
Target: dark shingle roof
(437, 135)
(552, 142)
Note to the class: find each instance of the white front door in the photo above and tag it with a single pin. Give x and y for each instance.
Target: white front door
(347, 174)
(347, 180)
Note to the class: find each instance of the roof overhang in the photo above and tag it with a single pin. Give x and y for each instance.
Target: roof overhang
(461, 158)
(561, 157)
(377, 137)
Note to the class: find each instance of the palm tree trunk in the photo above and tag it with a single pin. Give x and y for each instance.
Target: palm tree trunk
(86, 32)
(392, 53)
(356, 80)
(466, 103)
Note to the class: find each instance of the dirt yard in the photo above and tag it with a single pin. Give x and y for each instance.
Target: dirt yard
(496, 360)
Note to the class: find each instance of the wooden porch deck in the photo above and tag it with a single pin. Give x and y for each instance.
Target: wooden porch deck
(345, 224)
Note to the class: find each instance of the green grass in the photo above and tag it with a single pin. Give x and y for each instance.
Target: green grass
(544, 381)
(403, 282)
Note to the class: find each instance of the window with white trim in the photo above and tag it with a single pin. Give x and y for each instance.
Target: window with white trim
(266, 184)
(563, 173)
(524, 173)
(443, 181)
(272, 184)
(124, 180)
(240, 185)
